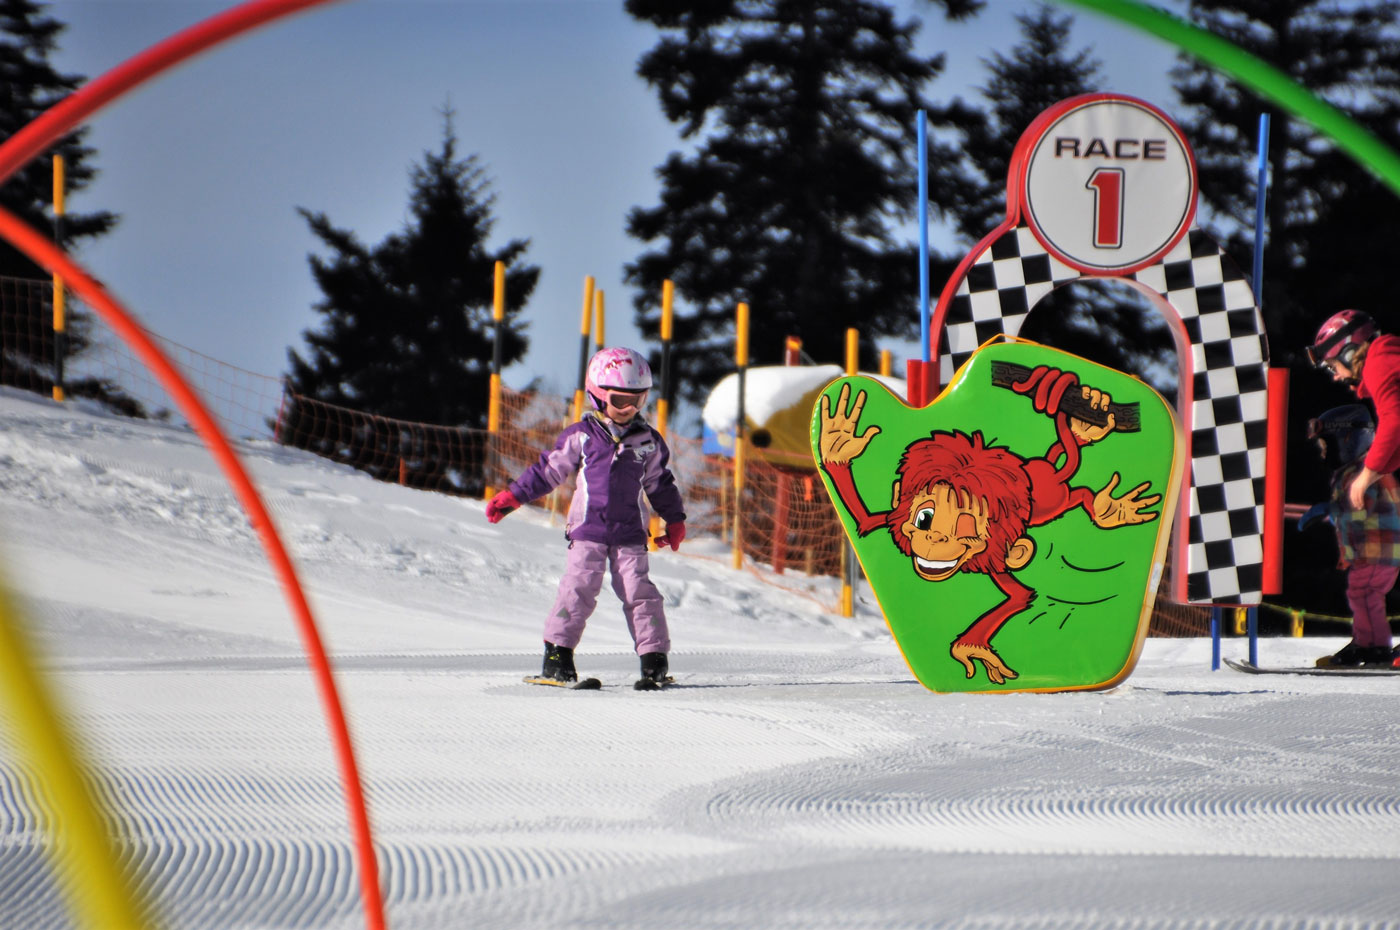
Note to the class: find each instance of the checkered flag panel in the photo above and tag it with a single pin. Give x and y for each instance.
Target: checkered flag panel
(1224, 391)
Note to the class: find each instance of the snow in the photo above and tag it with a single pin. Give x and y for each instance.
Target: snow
(770, 389)
(800, 779)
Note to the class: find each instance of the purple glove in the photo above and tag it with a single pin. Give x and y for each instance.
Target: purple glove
(500, 505)
(675, 532)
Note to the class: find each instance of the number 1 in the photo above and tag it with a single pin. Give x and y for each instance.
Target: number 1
(1107, 185)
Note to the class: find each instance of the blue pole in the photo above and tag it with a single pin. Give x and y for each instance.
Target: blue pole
(1261, 194)
(923, 235)
(1215, 639)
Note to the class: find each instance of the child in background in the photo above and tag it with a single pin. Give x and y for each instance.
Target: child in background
(1368, 539)
(617, 457)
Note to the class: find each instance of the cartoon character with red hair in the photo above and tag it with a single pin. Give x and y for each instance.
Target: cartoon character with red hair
(960, 505)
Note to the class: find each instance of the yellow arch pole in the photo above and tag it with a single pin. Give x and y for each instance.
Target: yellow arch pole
(60, 315)
(584, 331)
(493, 403)
(741, 359)
(99, 895)
(848, 597)
(886, 362)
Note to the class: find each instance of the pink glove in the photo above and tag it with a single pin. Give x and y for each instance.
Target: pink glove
(500, 505)
(675, 532)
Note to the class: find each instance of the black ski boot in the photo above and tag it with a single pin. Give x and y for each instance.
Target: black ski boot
(1349, 656)
(558, 663)
(654, 672)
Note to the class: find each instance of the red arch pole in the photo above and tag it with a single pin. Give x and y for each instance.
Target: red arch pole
(55, 261)
(28, 143)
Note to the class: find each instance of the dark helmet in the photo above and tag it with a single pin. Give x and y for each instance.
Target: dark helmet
(1341, 336)
(1348, 431)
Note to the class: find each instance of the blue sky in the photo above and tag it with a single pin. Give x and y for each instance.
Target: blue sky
(329, 109)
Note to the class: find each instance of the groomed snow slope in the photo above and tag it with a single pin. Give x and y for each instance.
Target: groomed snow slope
(800, 779)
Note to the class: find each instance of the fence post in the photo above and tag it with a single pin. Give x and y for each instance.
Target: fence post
(598, 316)
(60, 316)
(792, 357)
(741, 359)
(663, 399)
(848, 555)
(663, 404)
(493, 401)
(583, 345)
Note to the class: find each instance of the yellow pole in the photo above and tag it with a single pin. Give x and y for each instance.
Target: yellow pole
(60, 314)
(599, 316)
(741, 358)
(663, 407)
(493, 405)
(99, 895)
(886, 362)
(583, 345)
(847, 556)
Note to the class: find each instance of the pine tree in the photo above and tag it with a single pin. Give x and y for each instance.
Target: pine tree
(806, 114)
(29, 85)
(1105, 322)
(407, 330)
(1037, 73)
(1331, 226)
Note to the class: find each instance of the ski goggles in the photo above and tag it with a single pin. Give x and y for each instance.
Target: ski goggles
(1317, 355)
(624, 400)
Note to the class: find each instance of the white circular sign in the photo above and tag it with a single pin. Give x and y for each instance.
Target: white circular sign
(1110, 185)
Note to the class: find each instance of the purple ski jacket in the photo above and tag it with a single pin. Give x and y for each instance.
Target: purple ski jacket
(613, 473)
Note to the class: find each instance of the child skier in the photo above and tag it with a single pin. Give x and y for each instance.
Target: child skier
(1368, 539)
(617, 456)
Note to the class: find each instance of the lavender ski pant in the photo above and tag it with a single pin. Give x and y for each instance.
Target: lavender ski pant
(642, 603)
(1367, 585)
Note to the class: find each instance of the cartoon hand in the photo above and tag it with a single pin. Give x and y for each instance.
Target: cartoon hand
(968, 653)
(1083, 430)
(838, 442)
(1110, 511)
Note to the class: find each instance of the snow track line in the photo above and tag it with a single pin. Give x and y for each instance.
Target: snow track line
(944, 797)
(276, 867)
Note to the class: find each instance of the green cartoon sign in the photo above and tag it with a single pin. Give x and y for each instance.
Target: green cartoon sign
(1013, 530)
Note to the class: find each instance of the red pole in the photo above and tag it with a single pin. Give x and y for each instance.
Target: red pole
(1275, 471)
(27, 144)
(55, 262)
(916, 381)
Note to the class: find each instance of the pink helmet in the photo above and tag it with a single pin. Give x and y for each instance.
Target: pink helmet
(616, 369)
(1341, 336)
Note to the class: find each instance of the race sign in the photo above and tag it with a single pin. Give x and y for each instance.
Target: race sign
(1108, 183)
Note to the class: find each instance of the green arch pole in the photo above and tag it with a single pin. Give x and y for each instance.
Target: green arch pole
(1263, 78)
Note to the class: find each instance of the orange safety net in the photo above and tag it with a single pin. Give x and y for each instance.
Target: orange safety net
(791, 536)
